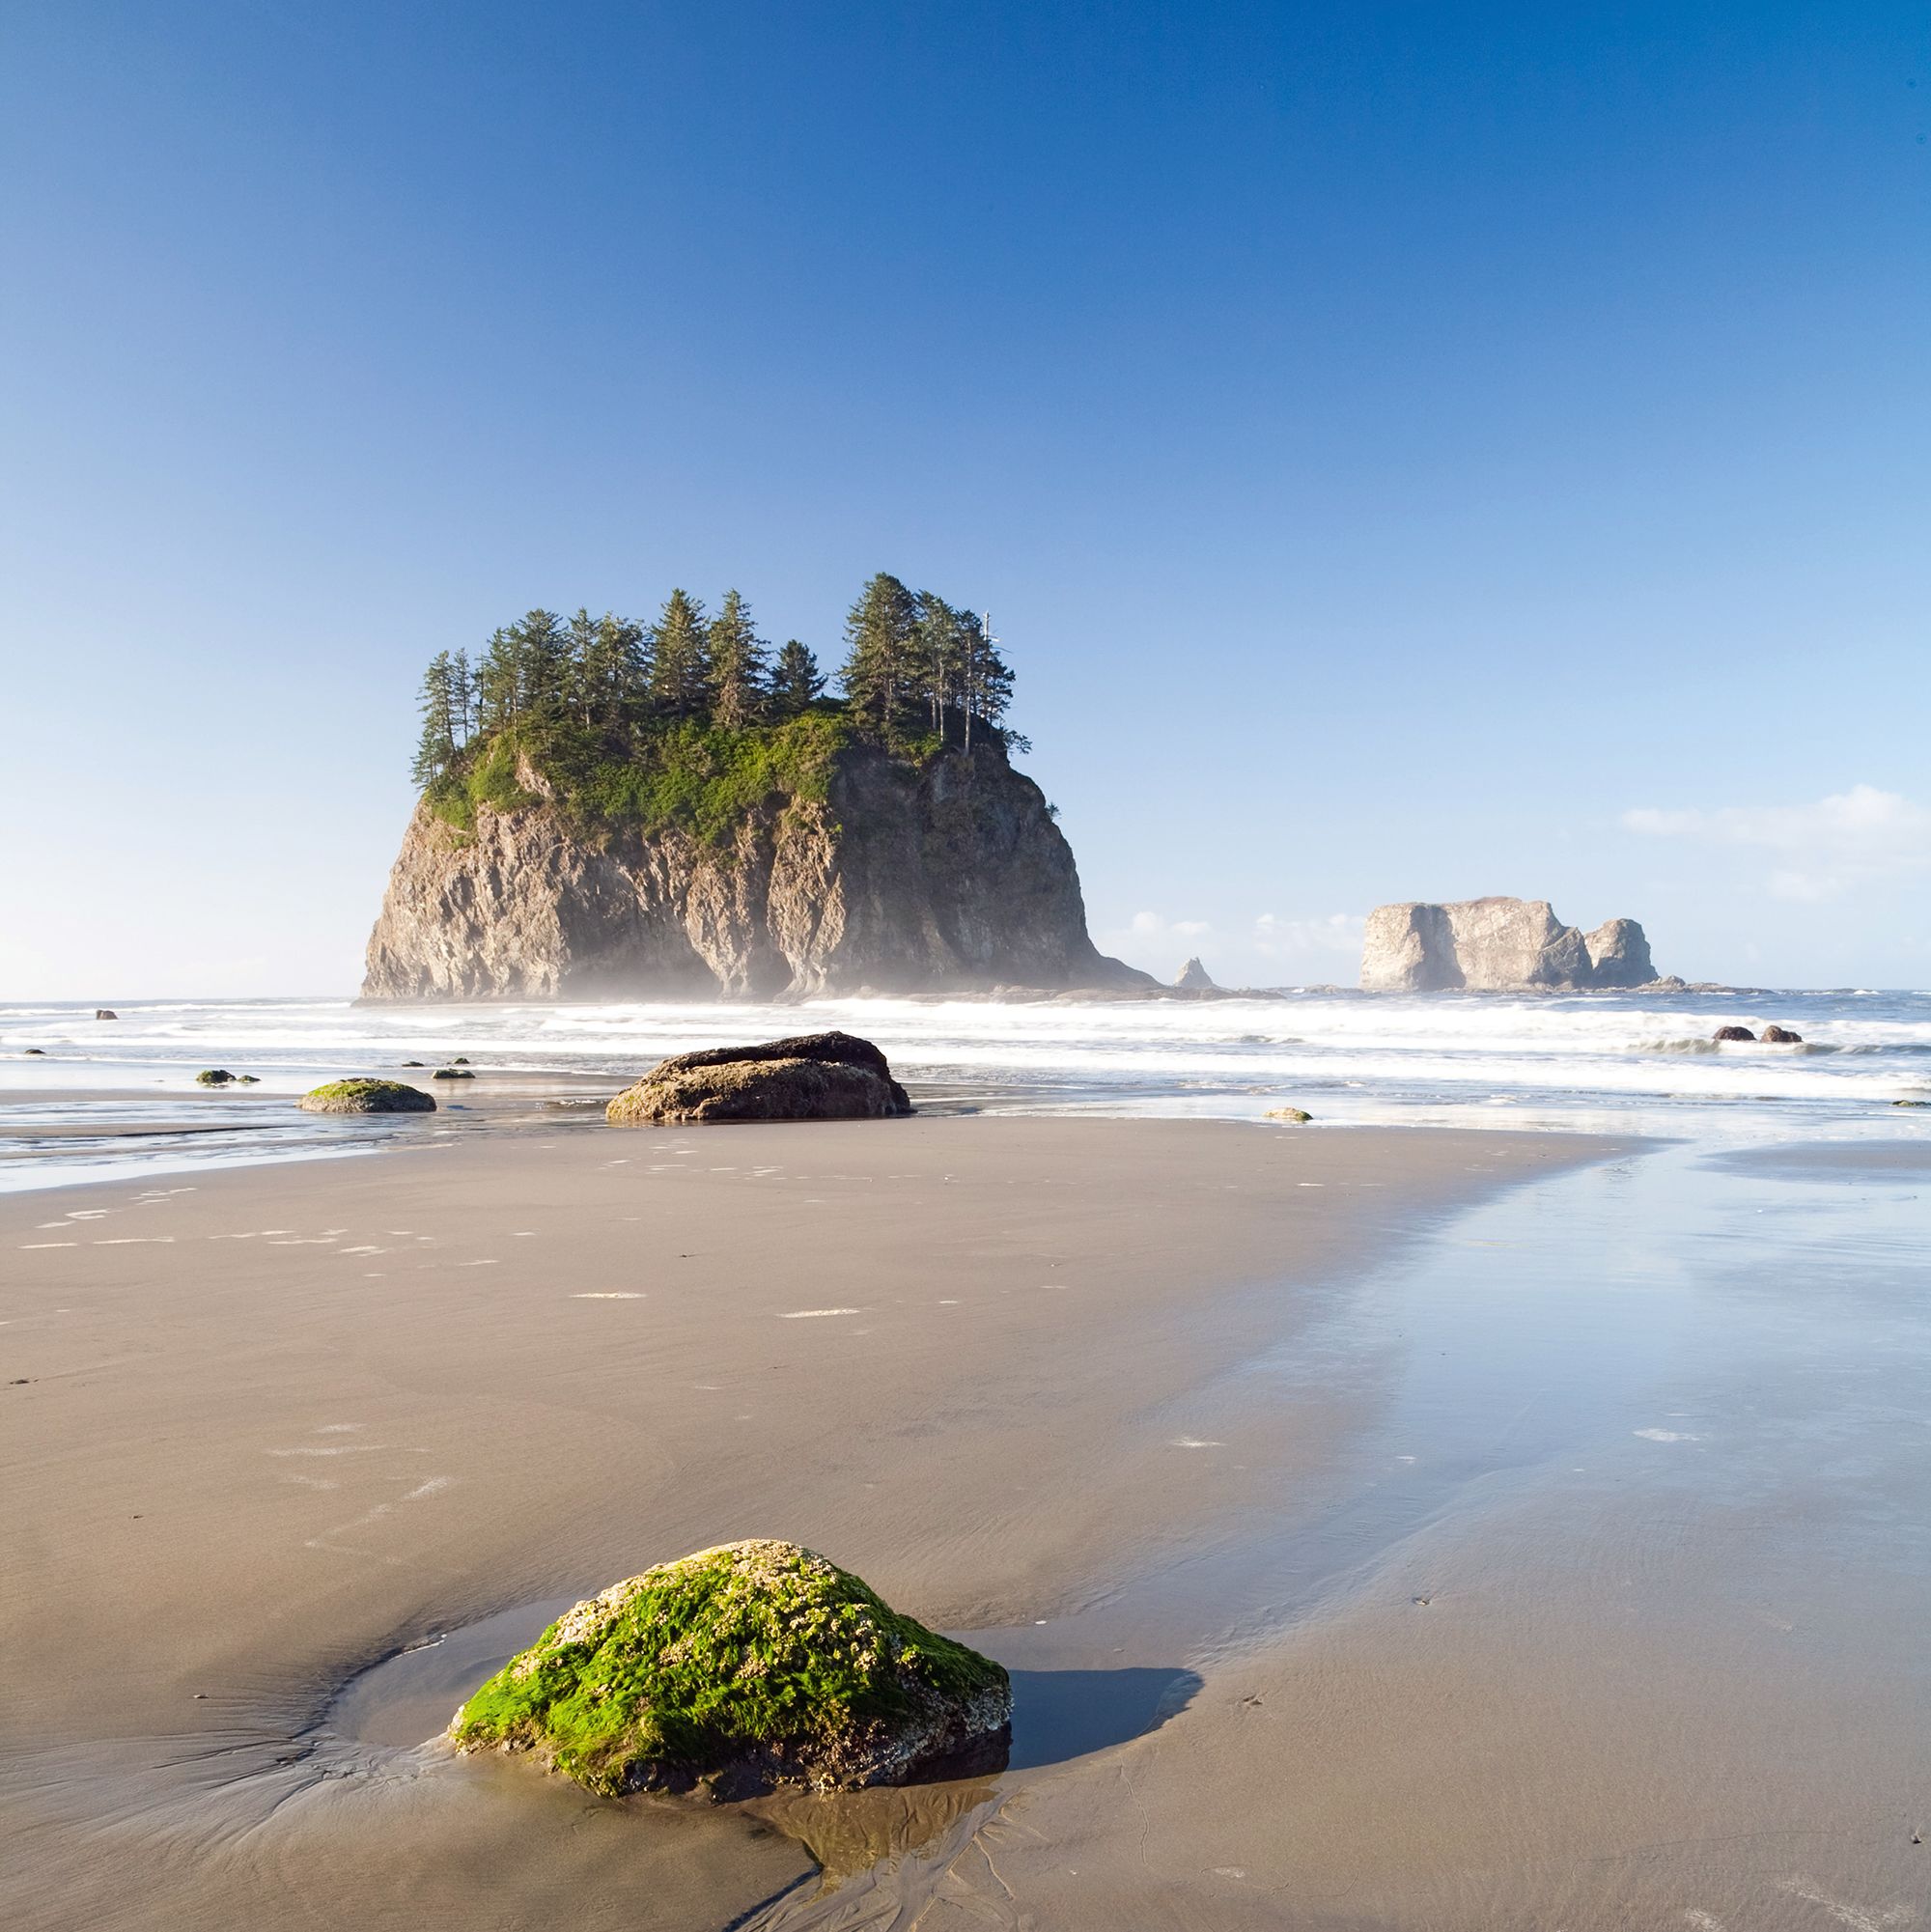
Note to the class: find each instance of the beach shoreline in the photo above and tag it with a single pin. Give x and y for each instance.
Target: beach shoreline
(1181, 1421)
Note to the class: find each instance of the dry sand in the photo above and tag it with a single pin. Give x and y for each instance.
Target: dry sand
(276, 1425)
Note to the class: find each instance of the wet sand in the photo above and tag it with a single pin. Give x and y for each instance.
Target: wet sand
(1183, 1419)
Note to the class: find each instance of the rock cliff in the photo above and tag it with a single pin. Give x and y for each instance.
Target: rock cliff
(1497, 945)
(948, 877)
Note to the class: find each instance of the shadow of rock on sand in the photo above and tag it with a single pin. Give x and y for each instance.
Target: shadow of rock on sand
(1063, 1713)
(887, 1854)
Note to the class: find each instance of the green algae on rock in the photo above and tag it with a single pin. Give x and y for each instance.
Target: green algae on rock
(1295, 1116)
(743, 1667)
(367, 1097)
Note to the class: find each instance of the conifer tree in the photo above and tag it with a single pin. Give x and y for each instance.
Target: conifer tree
(436, 749)
(617, 672)
(680, 659)
(543, 666)
(879, 666)
(499, 680)
(794, 681)
(740, 683)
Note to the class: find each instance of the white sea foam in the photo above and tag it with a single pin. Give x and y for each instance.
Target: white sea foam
(1622, 1062)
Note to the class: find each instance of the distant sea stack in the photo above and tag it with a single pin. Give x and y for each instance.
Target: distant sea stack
(1497, 945)
(614, 811)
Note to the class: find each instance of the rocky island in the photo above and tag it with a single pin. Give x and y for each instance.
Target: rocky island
(1497, 945)
(611, 810)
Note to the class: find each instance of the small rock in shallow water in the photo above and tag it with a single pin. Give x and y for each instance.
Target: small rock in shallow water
(1733, 1033)
(214, 1077)
(814, 1076)
(105, 1012)
(367, 1097)
(743, 1667)
(1781, 1036)
(1289, 1113)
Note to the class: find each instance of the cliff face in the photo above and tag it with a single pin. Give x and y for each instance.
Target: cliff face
(1497, 945)
(952, 878)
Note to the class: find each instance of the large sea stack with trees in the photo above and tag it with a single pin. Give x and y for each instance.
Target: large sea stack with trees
(619, 810)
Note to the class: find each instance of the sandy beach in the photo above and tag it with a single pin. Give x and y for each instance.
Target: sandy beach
(1335, 1594)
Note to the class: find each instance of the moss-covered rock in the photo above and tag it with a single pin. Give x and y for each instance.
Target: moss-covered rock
(452, 1074)
(214, 1077)
(743, 1667)
(814, 1076)
(1295, 1116)
(367, 1097)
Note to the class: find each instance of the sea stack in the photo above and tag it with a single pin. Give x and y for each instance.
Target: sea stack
(1194, 977)
(1497, 945)
(946, 874)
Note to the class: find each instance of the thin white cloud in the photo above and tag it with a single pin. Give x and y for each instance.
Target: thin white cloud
(1848, 839)
(1338, 935)
(1143, 927)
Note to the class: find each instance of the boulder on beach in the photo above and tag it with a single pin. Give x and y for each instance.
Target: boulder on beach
(367, 1097)
(1294, 1115)
(744, 1667)
(1194, 977)
(214, 1077)
(452, 1074)
(1733, 1033)
(105, 1012)
(1781, 1036)
(813, 1076)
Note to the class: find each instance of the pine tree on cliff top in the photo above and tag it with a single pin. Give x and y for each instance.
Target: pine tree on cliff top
(680, 659)
(881, 667)
(613, 671)
(440, 727)
(794, 681)
(739, 680)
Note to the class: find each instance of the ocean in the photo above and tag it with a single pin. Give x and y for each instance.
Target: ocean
(105, 1099)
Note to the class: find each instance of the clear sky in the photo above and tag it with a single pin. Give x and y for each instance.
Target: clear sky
(1407, 450)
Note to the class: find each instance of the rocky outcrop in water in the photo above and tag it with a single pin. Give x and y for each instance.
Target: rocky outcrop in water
(814, 1076)
(950, 877)
(1497, 945)
(1194, 977)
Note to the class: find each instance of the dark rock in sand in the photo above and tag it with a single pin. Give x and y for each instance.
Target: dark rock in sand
(1781, 1036)
(214, 1077)
(367, 1097)
(813, 1076)
(1733, 1033)
(452, 1074)
(741, 1669)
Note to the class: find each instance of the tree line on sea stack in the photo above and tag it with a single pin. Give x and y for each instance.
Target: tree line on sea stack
(918, 674)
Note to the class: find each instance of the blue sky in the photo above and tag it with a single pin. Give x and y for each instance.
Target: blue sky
(1407, 450)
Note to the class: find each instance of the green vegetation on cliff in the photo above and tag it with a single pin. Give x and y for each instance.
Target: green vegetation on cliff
(691, 722)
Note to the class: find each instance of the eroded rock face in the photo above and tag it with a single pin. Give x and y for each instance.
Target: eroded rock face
(1496, 945)
(814, 1076)
(953, 878)
(743, 1667)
